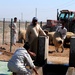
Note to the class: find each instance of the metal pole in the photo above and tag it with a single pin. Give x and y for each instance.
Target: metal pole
(36, 12)
(3, 28)
(22, 17)
(57, 14)
(11, 35)
(41, 23)
(25, 24)
(19, 27)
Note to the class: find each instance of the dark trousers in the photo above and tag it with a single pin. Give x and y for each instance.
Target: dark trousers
(14, 73)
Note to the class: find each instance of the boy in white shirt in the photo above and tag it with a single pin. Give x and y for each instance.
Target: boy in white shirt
(62, 30)
(14, 31)
(21, 58)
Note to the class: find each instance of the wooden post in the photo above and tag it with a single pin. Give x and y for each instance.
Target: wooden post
(11, 35)
(25, 24)
(72, 52)
(19, 27)
(41, 23)
(3, 29)
(42, 51)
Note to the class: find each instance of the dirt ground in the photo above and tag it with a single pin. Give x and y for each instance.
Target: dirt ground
(5, 53)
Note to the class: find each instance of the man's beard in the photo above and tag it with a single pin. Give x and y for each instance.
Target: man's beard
(34, 24)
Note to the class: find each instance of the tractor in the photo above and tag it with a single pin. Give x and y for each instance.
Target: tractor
(69, 18)
(64, 15)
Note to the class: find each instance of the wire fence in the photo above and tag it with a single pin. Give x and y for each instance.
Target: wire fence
(5, 31)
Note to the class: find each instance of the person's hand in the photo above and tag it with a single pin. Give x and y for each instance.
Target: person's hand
(46, 36)
(13, 28)
(31, 53)
(36, 74)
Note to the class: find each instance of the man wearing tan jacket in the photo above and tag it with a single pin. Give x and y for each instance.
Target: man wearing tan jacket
(33, 31)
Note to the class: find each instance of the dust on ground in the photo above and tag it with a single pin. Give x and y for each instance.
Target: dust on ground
(5, 53)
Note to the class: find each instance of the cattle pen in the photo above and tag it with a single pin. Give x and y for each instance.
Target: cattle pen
(53, 56)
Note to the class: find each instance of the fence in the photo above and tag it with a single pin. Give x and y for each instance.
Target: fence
(5, 32)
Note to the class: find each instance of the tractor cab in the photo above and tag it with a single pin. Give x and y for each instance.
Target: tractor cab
(69, 18)
(66, 15)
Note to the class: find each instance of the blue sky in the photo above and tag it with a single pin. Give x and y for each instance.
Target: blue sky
(27, 9)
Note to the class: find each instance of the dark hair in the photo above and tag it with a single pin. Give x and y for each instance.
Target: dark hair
(34, 19)
(26, 46)
(15, 17)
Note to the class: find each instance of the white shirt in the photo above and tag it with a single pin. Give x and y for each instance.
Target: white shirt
(62, 31)
(14, 27)
(20, 59)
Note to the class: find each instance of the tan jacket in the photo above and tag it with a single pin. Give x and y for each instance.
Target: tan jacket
(33, 32)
